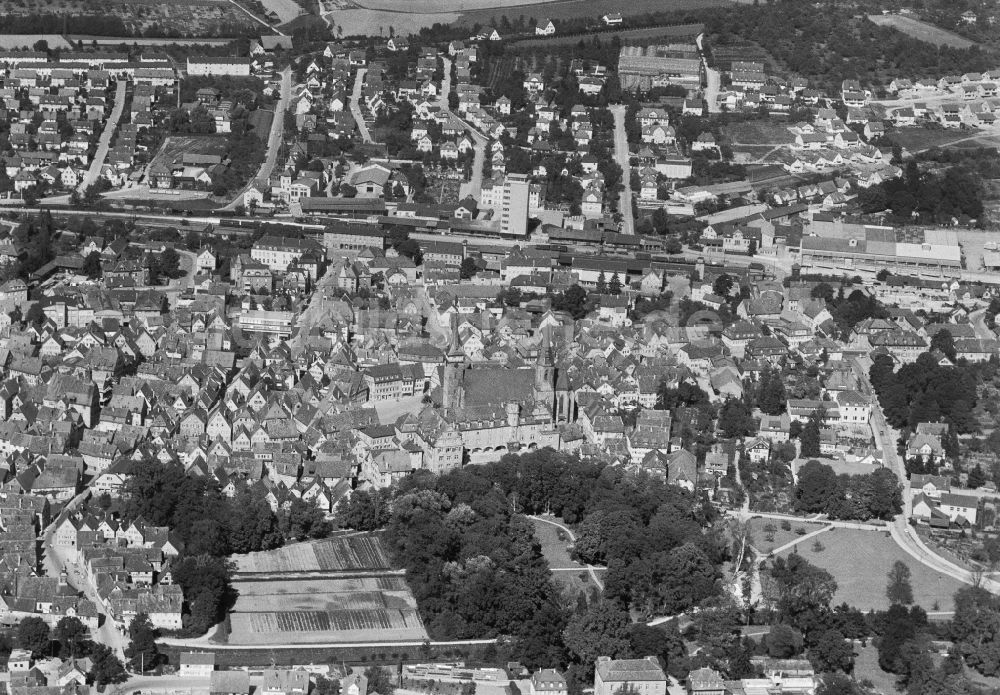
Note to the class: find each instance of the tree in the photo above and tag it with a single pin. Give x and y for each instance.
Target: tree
(803, 593)
(810, 436)
(817, 488)
(71, 635)
(142, 653)
(783, 642)
(615, 285)
(664, 642)
(603, 630)
(304, 520)
(689, 577)
(379, 681)
(822, 291)
(832, 653)
(327, 686)
(205, 582)
(735, 419)
(169, 263)
(365, 510)
(898, 590)
(107, 669)
(92, 266)
(33, 635)
(945, 343)
(977, 478)
(723, 285)
(602, 283)
(468, 269)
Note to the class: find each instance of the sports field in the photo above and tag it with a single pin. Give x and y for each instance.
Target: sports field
(921, 31)
(341, 553)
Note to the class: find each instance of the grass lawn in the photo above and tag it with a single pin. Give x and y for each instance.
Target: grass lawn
(866, 668)
(781, 536)
(758, 133)
(860, 562)
(556, 551)
(919, 138)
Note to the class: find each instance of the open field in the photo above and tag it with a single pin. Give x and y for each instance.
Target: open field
(866, 667)
(323, 611)
(175, 147)
(919, 138)
(556, 551)
(361, 22)
(860, 562)
(10, 42)
(758, 133)
(624, 35)
(921, 31)
(356, 552)
(287, 10)
(574, 9)
(437, 6)
(781, 536)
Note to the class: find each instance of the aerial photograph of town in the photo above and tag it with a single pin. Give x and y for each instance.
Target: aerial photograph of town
(500, 347)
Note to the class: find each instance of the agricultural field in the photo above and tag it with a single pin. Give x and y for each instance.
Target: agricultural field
(356, 552)
(188, 17)
(324, 611)
(921, 31)
(574, 9)
(860, 562)
(368, 602)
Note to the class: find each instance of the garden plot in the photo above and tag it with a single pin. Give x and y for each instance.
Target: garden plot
(342, 553)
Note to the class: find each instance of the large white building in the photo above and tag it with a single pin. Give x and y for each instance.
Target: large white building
(224, 65)
(277, 253)
(639, 676)
(514, 205)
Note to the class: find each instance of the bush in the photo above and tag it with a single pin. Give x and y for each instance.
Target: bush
(818, 547)
(800, 531)
(786, 525)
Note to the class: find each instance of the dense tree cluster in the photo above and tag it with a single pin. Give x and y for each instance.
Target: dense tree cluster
(832, 44)
(926, 391)
(211, 526)
(876, 495)
(928, 198)
(476, 569)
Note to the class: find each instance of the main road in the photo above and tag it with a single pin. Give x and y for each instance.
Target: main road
(622, 158)
(905, 535)
(104, 144)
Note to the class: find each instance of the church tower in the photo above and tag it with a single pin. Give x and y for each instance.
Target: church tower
(545, 373)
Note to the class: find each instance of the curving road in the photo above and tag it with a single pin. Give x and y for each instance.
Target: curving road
(104, 144)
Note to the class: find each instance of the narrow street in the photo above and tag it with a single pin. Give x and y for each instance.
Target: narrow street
(104, 144)
(359, 81)
(474, 186)
(622, 158)
(274, 139)
(55, 559)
